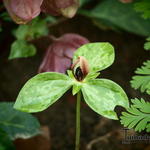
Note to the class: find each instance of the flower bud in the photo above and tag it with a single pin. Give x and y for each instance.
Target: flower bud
(80, 68)
(22, 11)
(70, 11)
(66, 8)
(59, 54)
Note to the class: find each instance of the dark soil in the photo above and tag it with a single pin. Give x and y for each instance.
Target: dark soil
(61, 116)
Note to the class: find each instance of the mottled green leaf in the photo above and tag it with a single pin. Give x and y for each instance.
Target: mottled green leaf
(98, 55)
(91, 75)
(21, 48)
(42, 91)
(103, 95)
(17, 124)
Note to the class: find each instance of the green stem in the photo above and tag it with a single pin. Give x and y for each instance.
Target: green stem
(78, 121)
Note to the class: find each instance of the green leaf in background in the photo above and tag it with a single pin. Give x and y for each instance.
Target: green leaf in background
(50, 19)
(83, 2)
(147, 44)
(142, 79)
(5, 142)
(42, 91)
(137, 116)
(24, 33)
(143, 7)
(17, 124)
(99, 55)
(35, 29)
(119, 15)
(103, 95)
(5, 16)
(22, 49)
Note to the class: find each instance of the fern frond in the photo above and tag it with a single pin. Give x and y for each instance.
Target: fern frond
(137, 116)
(142, 79)
(147, 44)
(143, 7)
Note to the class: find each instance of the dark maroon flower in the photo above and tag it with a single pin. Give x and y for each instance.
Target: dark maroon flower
(67, 8)
(22, 11)
(59, 54)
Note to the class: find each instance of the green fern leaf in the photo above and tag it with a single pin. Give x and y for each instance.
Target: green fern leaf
(137, 116)
(142, 105)
(147, 44)
(148, 127)
(142, 79)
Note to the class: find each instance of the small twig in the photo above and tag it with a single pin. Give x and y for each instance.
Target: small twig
(101, 138)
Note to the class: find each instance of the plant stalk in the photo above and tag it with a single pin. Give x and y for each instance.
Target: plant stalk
(77, 144)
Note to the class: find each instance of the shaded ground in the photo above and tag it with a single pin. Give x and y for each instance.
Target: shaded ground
(61, 116)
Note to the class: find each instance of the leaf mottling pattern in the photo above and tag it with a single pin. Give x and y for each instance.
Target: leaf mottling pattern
(42, 91)
(99, 55)
(103, 95)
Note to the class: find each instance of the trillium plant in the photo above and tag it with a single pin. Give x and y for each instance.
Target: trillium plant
(101, 95)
